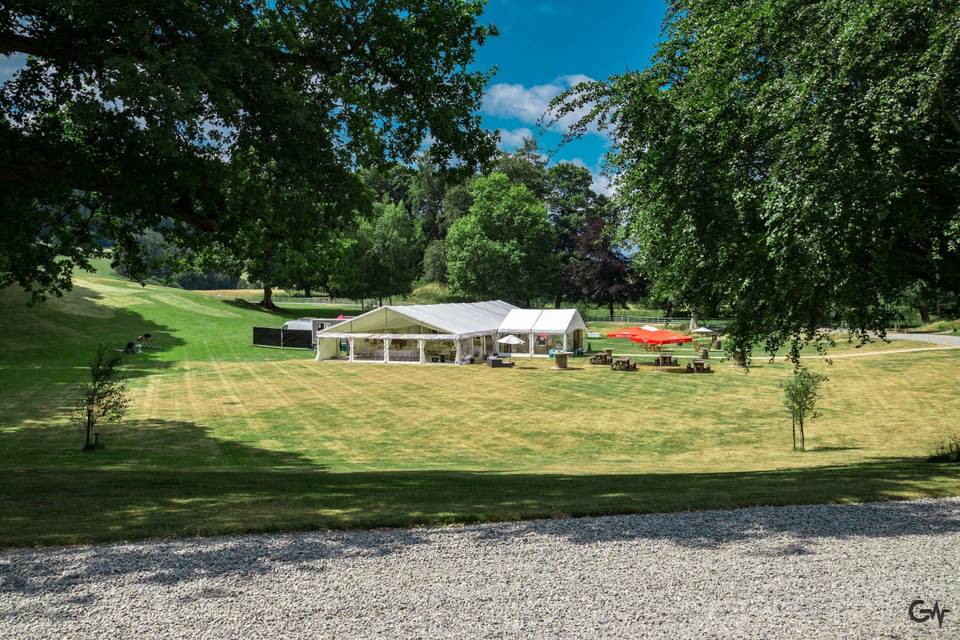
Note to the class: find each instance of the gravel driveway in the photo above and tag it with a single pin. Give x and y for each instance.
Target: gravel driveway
(790, 572)
(932, 338)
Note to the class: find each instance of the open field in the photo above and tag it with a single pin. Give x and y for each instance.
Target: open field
(940, 326)
(223, 437)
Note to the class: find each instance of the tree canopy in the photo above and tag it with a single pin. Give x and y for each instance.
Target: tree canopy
(794, 163)
(598, 271)
(503, 248)
(128, 114)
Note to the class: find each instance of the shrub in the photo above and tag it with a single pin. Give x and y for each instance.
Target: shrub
(948, 450)
(801, 393)
(104, 398)
(432, 293)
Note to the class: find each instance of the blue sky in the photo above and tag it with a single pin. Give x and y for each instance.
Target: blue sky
(544, 46)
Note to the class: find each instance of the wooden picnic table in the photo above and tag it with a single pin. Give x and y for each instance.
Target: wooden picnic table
(665, 360)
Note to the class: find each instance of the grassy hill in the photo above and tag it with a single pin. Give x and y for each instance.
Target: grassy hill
(224, 437)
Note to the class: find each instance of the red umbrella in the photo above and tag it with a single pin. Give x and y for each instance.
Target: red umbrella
(628, 332)
(660, 336)
(341, 317)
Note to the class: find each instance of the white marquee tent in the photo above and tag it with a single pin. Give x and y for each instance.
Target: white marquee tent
(440, 333)
(544, 329)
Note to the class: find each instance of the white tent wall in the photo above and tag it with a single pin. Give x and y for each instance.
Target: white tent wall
(543, 330)
(328, 349)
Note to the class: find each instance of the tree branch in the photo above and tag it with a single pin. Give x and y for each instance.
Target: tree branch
(16, 43)
(329, 64)
(946, 110)
(70, 49)
(184, 209)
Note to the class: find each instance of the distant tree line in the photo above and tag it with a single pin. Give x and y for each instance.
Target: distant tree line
(519, 231)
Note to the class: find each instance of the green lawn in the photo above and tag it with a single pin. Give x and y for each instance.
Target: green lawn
(940, 326)
(224, 437)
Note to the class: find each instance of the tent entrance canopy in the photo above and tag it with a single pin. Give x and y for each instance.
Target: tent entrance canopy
(544, 330)
(542, 321)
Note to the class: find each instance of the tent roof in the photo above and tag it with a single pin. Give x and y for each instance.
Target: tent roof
(542, 321)
(298, 324)
(457, 318)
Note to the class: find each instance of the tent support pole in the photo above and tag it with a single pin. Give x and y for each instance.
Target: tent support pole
(530, 341)
(421, 344)
(386, 350)
(350, 346)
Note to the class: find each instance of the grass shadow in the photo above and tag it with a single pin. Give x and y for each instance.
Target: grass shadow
(239, 303)
(39, 368)
(288, 313)
(229, 487)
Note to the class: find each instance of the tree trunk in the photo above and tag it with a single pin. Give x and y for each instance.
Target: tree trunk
(89, 444)
(557, 301)
(693, 320)
(267, 302)
(803, 442)
(306, 292)
(794, 435)
(924, 312)
(611, 310)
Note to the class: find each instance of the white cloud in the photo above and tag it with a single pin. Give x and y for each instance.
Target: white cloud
(528, 104)
(600, 183)
(510, 140)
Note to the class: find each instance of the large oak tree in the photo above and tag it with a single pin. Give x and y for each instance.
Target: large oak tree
(131, 113)
(794, 163)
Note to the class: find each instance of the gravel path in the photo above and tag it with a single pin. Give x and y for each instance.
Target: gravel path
(933, 338)
(871, 354)
(788, 572)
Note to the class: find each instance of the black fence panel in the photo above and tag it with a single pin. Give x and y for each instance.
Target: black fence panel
(290, 338)
(297, 338)
(267, 337)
